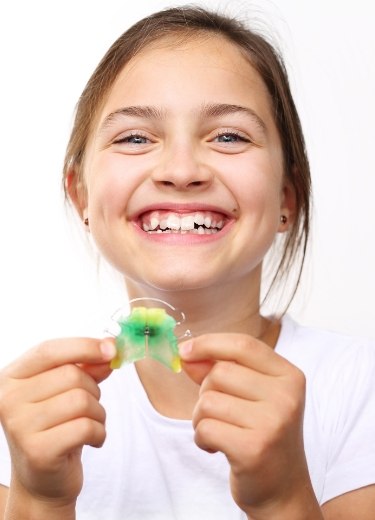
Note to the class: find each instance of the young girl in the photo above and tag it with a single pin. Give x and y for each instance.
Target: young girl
(186, 163)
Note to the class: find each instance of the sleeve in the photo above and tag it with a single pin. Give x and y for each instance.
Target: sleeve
(350, 422)
(5, 463)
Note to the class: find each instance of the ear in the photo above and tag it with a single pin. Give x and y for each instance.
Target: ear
(76, 189)
(288, 205)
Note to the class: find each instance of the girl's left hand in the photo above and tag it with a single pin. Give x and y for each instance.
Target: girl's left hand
(251, 408)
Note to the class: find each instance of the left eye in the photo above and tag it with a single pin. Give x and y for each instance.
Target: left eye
(132, 139)
(230, 137)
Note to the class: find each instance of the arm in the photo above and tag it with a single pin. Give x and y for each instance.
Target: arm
(49, 409)
(356, 504)
(3, 499)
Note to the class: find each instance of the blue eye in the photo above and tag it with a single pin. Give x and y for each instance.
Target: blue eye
(230, 137)
(132, 139)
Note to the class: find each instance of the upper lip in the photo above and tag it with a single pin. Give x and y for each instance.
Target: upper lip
(181, 208)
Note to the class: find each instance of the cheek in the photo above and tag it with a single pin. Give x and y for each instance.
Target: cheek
(257, 186)
(111, 182)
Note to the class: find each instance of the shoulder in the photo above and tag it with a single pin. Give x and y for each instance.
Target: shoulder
(324, 353)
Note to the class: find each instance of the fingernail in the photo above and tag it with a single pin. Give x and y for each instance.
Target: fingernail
(185, 348)
(107, 349)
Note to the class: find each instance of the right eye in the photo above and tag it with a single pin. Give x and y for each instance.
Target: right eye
(133, 139)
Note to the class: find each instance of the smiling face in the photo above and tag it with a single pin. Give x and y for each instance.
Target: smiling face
(184, 171)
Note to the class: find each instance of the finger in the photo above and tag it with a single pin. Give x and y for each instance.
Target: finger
(212, 435)
(57, 381)
(98, 372)
(236, 380)
(59, 352)
(226, 408)
(240, 348)
(64, 440)
(66, 407)
(197, 371)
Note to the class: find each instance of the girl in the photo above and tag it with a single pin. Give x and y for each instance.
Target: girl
(186, 163)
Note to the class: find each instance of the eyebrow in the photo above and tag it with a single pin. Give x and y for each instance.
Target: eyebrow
(210, 110)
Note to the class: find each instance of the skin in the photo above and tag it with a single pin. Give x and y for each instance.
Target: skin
(243, 398)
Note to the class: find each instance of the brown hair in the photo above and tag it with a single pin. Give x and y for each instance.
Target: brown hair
(189, 21)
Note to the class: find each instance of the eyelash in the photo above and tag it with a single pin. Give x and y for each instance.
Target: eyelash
(126, 138)
(232, 133)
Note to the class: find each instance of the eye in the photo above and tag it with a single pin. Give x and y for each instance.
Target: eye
(134, 138)
(229, 137)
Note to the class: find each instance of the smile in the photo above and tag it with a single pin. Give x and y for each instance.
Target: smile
(198, 222)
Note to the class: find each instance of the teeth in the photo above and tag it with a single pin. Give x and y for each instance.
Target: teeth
(167, 222)
(173, 222)
(199, 219)
(207, 222)
(163, 224)
(187, 223)
(154, 222)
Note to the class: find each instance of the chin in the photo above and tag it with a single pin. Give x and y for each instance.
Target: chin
(174, 281)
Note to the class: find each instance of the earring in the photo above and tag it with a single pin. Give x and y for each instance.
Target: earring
(283, 219)
(86, 221)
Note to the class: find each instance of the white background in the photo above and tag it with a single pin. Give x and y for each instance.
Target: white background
(49, 283)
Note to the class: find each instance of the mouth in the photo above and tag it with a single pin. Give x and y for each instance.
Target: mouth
(202, 222)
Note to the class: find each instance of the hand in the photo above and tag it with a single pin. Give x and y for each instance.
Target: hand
(251, 408)
(49, 409)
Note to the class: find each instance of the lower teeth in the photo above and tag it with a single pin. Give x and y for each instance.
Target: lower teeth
(199, 231)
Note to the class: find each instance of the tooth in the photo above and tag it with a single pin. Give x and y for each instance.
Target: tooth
(187, 223)
(145, 227)
(199, 219)
(220, 224)
(200, 230)
(207, 222)
(159, 231)
(163, 224)
(154, 222)
(173, 222)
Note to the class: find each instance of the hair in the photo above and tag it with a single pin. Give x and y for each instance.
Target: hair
(189, 22)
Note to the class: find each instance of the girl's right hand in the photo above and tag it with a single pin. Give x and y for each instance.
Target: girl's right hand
(49, 409)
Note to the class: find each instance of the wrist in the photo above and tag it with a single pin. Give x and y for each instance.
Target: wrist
(301, 504)
(22, 505)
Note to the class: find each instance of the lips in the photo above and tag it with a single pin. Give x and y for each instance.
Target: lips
(192, 222)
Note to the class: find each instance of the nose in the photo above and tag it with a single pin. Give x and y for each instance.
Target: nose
(182, 169)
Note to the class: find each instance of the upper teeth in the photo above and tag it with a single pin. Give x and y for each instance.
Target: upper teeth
(184, 222)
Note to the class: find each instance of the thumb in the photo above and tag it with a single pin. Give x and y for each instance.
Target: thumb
(98, 372)
(196, 370)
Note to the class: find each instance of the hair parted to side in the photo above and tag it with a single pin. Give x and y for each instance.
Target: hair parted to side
(193, 21)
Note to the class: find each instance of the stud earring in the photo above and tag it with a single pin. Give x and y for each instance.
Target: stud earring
(86, 221)
(283, 219)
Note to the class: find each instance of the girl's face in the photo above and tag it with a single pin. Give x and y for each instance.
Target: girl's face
(184, 172)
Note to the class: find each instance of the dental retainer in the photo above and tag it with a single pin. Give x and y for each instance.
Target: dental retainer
(148, 331)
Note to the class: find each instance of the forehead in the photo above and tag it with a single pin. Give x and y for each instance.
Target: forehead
(201, 70)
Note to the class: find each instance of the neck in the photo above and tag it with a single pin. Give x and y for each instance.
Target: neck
(225, 308)
(232, 307)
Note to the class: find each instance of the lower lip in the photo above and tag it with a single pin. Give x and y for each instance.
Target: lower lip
(184, 239)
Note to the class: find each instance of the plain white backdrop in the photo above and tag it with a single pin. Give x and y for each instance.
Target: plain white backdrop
(49, 282)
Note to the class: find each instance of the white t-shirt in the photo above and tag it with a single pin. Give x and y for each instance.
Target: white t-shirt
(150, 468)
